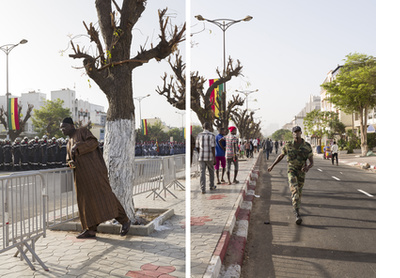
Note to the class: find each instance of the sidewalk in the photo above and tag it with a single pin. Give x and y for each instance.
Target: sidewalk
(355, 160)
(110, 255)
(213, 218)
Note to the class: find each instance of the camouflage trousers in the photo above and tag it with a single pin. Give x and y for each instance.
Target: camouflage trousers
(296, 180)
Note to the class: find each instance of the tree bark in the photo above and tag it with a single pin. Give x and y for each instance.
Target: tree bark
(111, 69)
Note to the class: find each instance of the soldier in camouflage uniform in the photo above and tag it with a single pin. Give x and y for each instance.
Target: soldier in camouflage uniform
(298, 152)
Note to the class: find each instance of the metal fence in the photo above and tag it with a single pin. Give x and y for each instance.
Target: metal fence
(61, 196)
(35, 200)
(23, 206)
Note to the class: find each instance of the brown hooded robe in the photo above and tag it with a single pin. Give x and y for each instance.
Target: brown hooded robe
(96, 201)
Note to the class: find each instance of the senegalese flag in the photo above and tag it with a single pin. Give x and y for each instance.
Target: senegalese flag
(13, 117)
(144, 127)
(184, 132)
(157, 148)
(216, 96)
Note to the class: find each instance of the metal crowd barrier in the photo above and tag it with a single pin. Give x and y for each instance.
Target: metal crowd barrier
(23, 207)
(61, 196)
(148, 176)
(195, 167)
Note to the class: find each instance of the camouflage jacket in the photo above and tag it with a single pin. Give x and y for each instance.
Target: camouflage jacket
(297, 157)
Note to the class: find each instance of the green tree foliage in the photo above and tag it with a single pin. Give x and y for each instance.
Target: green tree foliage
(317, 123)
(155, 132)
(354, 89)
(47, 119)
(282, 134)
(176, 134)
(196, 129)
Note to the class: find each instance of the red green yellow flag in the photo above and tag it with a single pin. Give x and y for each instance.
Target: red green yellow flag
(215, 97)
(13, 117)
(144, 127)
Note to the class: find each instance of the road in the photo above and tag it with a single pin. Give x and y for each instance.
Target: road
(337, 237)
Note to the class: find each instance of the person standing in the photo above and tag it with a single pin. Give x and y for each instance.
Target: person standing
(16, 150)
(334, 151)
(205, 146)
(267, 147)
(276, 146)
(8, 156)
(298, 152)
(220, 145)
(231, 154)
(24, 154)
(96, 201)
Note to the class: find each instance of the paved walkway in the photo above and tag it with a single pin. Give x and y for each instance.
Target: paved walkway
(212, 219)
(109, 255)
(162, 254)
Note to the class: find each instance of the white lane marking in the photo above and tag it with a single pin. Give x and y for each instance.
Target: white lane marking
(362, 191)
(336, 178)
(320, 170)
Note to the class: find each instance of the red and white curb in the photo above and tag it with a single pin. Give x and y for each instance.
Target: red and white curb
(235, 238)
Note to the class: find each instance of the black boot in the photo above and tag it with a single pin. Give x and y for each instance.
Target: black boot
(298, 217)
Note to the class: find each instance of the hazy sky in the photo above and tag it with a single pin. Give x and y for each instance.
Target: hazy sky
(286, 49)
(47, 25)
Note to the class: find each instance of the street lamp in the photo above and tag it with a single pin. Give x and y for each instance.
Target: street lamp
(223, 24)
(140, 108)
(247, 93)
(7, 49)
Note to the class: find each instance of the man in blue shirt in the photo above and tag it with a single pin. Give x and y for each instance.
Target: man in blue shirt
(220, 146)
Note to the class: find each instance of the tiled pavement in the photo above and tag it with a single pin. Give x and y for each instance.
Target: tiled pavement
(161, 253)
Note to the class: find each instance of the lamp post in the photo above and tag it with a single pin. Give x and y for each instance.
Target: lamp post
(7, 49)
(223, 24)
(247, 93)
(140, 108)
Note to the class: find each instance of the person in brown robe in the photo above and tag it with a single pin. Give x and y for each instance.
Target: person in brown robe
(96, 201)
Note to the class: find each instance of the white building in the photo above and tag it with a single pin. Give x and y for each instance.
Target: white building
(36, 99)
(81, 110)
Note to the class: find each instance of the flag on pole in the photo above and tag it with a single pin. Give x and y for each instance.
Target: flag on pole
(144, 127)
(13, 117)
(215, 97)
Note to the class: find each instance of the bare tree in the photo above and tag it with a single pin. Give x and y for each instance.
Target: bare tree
(245, 124)
(111, 69)
(22, 122)
(174, 90)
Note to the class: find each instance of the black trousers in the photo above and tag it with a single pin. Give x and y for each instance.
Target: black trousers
(333, 158)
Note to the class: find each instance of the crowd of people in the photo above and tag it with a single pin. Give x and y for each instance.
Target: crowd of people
(32, 154)
(151, 148)
(44, 153)
(250, 146)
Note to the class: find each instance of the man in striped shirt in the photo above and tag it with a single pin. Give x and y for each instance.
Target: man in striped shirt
(205, 146)
(231, 154)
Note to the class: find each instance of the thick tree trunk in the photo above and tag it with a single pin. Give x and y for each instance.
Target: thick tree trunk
(119, 140)
(120, 157)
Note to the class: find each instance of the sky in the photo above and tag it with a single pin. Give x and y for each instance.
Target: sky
(286, 50)
(48, 26)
